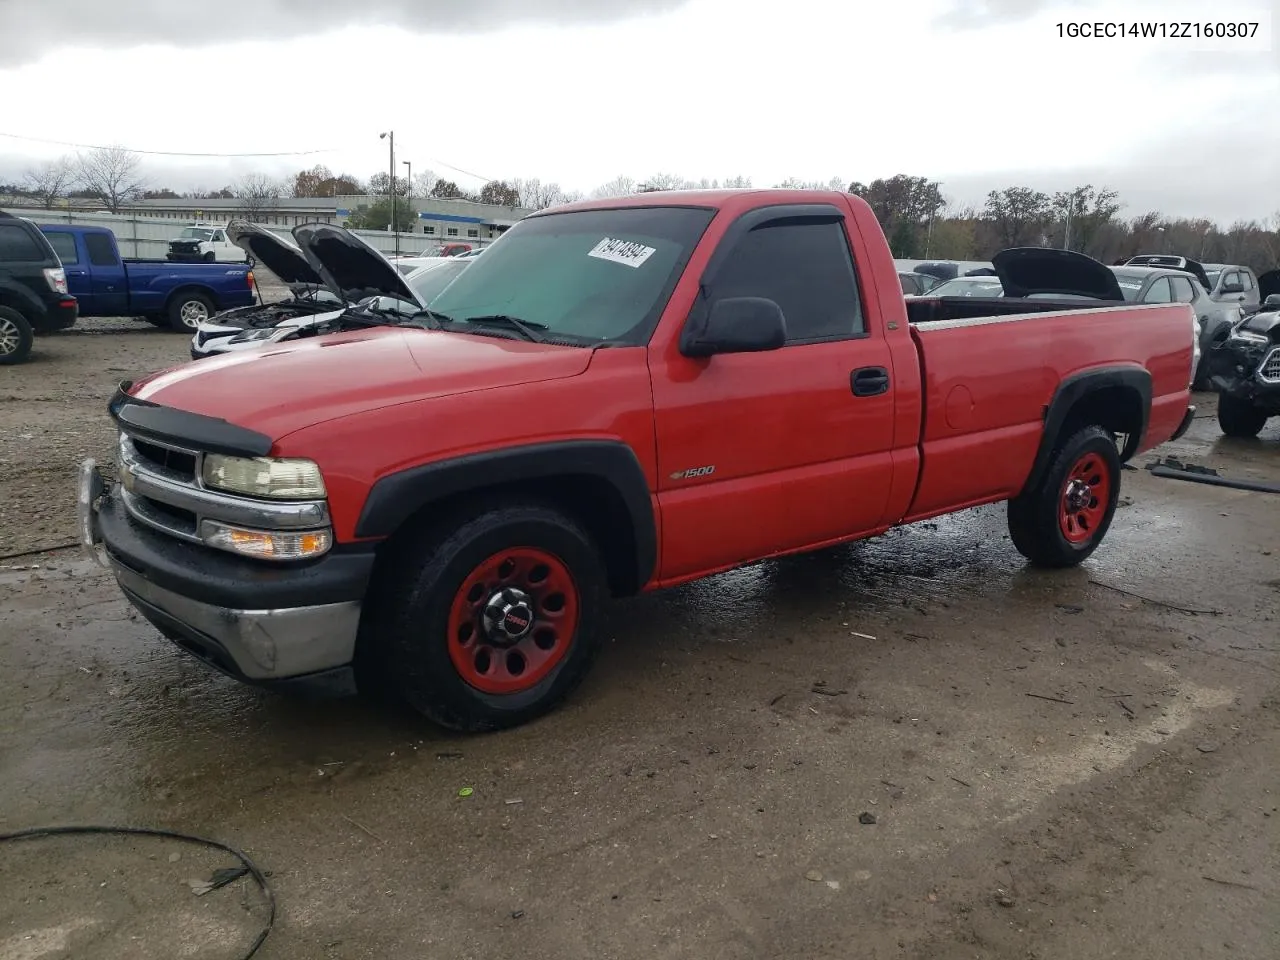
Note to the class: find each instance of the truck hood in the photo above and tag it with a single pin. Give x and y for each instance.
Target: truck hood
(275, 253)
(1265, 323)
(1027, 270)
(351, 268)
(278, 390)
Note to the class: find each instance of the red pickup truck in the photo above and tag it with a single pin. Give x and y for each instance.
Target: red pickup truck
(617, 397)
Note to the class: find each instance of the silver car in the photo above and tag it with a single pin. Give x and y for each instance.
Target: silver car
(1232, 283)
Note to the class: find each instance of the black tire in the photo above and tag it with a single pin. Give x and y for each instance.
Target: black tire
(184, 310)
(406, 641)
(1239, 418)
(16, 337)
(210, 257)
(1039, 518)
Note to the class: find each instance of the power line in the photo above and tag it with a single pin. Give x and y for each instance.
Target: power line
(165, 153)
(441, 163)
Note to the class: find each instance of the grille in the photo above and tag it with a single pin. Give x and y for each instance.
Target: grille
(1270, 369)
(179, 463)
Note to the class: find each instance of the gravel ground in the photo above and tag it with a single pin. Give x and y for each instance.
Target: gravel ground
(913, 747)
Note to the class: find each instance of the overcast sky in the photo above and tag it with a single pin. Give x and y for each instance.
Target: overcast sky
(976, 94)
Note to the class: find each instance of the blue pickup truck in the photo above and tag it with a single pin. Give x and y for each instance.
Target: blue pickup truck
(176, 295)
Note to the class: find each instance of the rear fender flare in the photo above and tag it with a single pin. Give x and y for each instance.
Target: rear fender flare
(1067, 398)
(396, 498)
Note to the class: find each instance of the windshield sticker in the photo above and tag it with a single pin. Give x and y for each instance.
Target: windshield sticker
(626, 252)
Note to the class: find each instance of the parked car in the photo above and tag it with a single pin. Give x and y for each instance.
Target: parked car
(308, 294)
(1171, 262)
(33, 289)
(1245, 370)
(916, 284)
(969, 287)
(206, 243)
(357, 266)
(1234, 284)
(455, 249)
(592, 408)
(178, 295)
(1172, 285)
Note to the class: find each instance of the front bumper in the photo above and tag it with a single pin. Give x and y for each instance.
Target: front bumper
(257, 622)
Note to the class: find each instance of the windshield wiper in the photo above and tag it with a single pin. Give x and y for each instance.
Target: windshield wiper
(526, 328)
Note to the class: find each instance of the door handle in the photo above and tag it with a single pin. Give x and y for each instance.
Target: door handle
(869, 381)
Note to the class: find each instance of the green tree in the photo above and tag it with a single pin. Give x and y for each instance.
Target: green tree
(378, 216)
(1081, 214)
(1018, 215)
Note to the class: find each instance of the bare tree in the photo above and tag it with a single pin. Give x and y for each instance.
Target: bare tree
(257, 193)
(617, 187)
(111, 175)
(50, 181)
(536, 195)
(424, 182)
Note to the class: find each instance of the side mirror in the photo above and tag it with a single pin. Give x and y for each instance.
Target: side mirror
(736, 325)
(1228, 288)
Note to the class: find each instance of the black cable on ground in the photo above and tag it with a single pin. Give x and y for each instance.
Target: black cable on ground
(254, 871)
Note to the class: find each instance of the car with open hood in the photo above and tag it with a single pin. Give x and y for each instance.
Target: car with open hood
(343, 266)
(1244, 368)
(308, 293)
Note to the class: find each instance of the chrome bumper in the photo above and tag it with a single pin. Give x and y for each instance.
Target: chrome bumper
(253, 645)
(256, 646)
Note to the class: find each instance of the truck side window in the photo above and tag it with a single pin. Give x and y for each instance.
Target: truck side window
(65, 246)
(807, 269)
(1246, 279)
(101, 253)
(1159, 292)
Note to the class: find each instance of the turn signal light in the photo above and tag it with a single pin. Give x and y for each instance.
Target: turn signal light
(266, 544)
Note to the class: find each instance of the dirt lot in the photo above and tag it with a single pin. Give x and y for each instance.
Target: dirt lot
(914, 747)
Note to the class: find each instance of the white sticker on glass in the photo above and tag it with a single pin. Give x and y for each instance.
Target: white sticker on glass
(626, 252)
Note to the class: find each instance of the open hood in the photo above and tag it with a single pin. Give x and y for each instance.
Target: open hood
(1044, 270)
(351, 268)
(275, 253)
(1268, 285)
(1171, 262)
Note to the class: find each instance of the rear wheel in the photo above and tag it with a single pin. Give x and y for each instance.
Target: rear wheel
(1061, 521)
(1239, 418)
(489, 622)
(187, 310)
(16, 337)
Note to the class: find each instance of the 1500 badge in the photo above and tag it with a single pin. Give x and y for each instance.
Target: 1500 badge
(695, 472)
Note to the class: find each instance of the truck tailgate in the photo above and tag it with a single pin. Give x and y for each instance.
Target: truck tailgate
(988, 382)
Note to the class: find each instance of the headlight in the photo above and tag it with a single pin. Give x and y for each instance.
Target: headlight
(264, 333)
(266, 544)
(269, 477)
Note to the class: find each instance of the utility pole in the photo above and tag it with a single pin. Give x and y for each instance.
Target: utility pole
(1066, 240)
(391, 186)
(933, 212)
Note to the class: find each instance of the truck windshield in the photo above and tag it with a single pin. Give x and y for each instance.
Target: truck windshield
(195, 233)
(590, 275)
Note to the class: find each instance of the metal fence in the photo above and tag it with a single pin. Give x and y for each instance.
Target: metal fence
(147, 238)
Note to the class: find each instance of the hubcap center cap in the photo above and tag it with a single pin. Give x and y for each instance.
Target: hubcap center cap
(1078, 495)
(508, 617)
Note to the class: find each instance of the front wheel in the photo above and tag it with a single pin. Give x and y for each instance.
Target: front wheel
(210, 257)
(1239, 418)
(1064, 518)
(489, 622)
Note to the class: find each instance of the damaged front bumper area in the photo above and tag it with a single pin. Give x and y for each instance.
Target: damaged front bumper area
(1247, 369)
(291, 626)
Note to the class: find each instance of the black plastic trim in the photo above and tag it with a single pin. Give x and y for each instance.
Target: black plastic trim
(1187, 419)
(397, 497)
(1075, 388)
(194, 430)
(225, 580)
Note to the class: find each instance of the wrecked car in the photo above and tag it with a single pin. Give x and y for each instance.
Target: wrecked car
(1245, 368)
(358, 285)
(309, 294)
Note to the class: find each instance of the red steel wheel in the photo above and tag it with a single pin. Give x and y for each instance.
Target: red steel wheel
(1085, 498)
(513, 620)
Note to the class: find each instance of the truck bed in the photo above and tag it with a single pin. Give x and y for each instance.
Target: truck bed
(991, 367)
